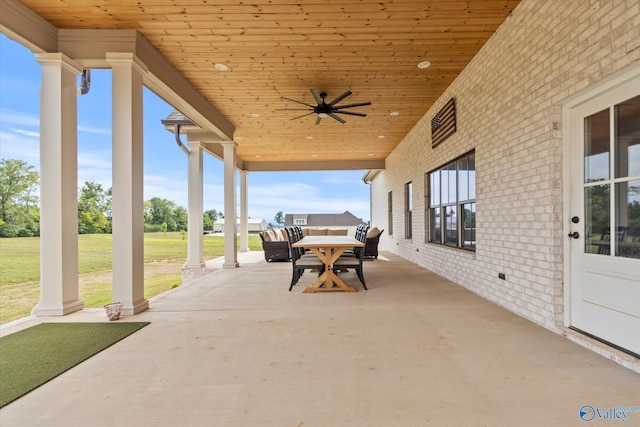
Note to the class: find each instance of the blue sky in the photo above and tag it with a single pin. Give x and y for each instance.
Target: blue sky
(165, 165)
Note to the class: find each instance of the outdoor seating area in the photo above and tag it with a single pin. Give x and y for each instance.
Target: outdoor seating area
(276, 245)
(336, 253)
(233, 349)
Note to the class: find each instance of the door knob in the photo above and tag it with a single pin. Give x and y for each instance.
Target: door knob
(575, 235)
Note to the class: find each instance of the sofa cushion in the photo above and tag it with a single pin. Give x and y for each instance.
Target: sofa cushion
(269, 236)
(373, 232)
(278, 234)
(342, 232)
(317, 232)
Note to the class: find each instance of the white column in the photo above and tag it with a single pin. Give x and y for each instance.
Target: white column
(127, 184)
(59, 293)
(244, 212)
(195, 256)
(230, 229)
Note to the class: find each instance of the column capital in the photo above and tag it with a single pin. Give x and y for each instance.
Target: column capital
(60, 59)
(195, 145)
(228, 144)
(127, 58)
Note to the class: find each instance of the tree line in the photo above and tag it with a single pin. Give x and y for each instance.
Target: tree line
(20, 212)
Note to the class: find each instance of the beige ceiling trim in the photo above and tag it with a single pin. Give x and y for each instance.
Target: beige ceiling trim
(19, 23)
(313, 165)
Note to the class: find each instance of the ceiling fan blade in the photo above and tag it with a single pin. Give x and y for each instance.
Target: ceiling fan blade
(299, 102)
(340, 98)
(351, 113)
(318, 120)
(304, 115)
(292, 109)
(340, 119)
(357, 104)
(316, 95)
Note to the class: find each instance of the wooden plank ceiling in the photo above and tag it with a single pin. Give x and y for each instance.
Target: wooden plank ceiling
(277, 48)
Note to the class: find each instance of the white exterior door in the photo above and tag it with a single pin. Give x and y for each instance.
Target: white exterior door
(603, 150)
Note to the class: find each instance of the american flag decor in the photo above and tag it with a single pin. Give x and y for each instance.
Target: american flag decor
(443, 124)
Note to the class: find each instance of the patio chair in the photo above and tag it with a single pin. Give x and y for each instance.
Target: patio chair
(299, 260)
(275, 248)
(371, 244)
(355, 262)
(359, 235)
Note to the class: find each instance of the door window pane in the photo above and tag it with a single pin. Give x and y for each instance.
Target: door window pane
(597, 219)
(596, 147)
(628, 219)
(627, 148)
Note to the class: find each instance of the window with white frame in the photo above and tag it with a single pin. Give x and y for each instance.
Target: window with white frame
(452, 203)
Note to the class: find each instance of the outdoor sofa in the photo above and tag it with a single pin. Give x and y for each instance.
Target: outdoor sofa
(276, 245)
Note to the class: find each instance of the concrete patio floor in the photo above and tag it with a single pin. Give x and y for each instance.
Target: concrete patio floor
(237, 349)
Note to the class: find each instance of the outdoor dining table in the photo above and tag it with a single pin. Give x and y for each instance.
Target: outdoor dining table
(328, 249)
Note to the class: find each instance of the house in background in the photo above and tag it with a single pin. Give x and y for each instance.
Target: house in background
(255, 225)
(323, 220)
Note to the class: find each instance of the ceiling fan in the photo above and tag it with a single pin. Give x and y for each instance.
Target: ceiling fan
(324, 109)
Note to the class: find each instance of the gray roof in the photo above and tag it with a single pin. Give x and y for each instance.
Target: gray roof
(345, 219)
(176, 117)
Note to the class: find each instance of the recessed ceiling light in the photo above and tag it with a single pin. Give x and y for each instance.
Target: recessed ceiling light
(424, 64)
(221, 67)
(314, 155)
(380, 136)
(394, 113)
(238, 138)
(258, 156)
(370, 155)
(309, 137)
(254, 115)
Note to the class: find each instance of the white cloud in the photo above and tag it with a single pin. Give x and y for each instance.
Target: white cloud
(29, 133)
(16, 146)
(19, 118)
(98, 131)
(166, 187)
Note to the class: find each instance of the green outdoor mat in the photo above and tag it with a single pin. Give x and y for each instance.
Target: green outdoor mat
(31, 357)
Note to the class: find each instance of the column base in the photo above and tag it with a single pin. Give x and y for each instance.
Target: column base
(137, 307)
(63, 310)
(231, 265)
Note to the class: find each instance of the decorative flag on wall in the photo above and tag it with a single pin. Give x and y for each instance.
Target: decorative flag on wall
(443, 124)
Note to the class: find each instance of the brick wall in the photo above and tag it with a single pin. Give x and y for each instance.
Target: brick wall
(508, 108)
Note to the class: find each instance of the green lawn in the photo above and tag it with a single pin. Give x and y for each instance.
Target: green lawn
(164, 255)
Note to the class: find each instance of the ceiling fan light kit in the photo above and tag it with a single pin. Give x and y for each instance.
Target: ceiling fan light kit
(324, 109)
